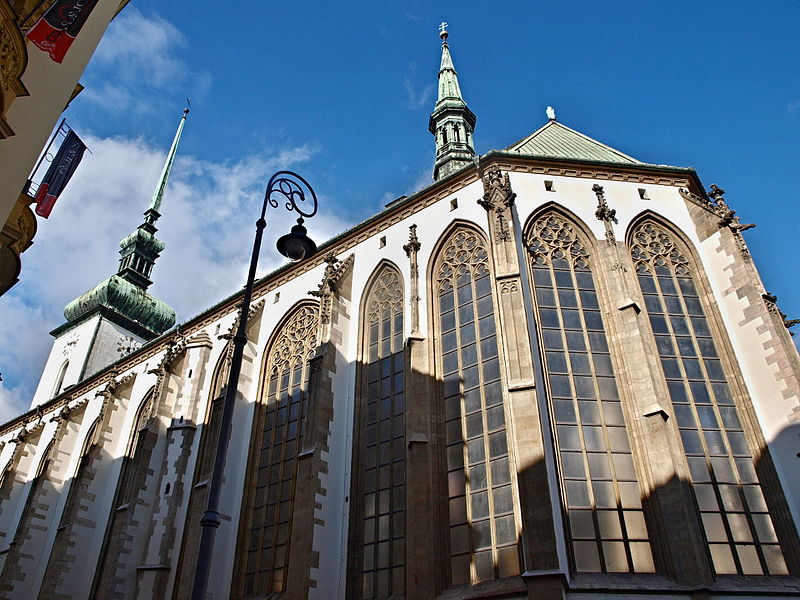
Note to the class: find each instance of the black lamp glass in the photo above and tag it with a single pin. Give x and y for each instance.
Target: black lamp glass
(296, 245)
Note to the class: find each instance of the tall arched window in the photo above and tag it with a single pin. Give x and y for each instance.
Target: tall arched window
(277, 439)
(482, 524)
(598, 480)
(378, 523)
(737, 526)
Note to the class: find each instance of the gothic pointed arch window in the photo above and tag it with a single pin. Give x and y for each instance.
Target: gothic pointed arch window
(377, 528)
(277, 441)
(482, 520)
(737, 526)
(599, 485)
(138, 450)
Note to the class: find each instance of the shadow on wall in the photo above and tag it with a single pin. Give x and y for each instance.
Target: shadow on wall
(450, 521)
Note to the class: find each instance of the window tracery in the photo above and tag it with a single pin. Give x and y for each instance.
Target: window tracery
(599, 483)
(277, 442)
(378, 525)
(482, 523)
(738, 529)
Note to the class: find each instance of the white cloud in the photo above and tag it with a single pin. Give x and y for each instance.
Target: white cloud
(137, 61)
(416, 97)
(208, 223)
(423, 180)
(24, 346)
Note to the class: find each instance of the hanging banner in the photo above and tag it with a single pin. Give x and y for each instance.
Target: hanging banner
(58, 175)
(59, 26)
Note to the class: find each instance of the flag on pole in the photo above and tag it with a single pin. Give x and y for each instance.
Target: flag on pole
(59, 26)
(67, 158)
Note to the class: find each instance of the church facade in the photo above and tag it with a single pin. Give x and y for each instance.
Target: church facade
(553, 373)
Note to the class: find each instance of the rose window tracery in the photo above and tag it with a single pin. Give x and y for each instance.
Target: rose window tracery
(297, 341)
(464, 255)
(654, 250)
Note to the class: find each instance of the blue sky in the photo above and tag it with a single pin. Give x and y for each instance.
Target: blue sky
(341, 92)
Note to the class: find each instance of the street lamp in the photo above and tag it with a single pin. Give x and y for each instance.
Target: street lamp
(291, 189)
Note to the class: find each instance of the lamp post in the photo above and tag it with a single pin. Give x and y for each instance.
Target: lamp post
(295, 245)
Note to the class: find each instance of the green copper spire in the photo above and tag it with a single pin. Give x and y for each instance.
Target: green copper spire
(123, 297)
(141, 248)
(451, 123)
(158, 194)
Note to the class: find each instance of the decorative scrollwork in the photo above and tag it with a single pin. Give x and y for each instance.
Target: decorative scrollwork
(296, 342)
(654, 251)
(386, 294)
(552, 238)
(464, 253)
(293, 188)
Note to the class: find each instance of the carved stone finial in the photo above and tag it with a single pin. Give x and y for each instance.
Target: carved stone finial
(411, 249)
(498, 198)
(413, 244)
(716, 193)
(551, 113)
(728, 218)
(603, 212)
(328, 288)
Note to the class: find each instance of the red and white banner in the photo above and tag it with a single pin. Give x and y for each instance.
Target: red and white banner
(60, 172)
(60, 25)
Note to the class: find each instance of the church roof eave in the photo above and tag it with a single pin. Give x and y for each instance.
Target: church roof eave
(634, 166)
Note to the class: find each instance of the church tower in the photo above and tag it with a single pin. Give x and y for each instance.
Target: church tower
(451, 123)
(117, 315)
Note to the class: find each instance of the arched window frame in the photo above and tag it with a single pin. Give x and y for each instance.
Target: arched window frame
(618, 531)
(125, 481)
(275, 576)
(506, 561)
(367, 582)
(769, 502)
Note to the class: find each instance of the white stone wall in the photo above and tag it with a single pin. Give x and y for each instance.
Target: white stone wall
(191, 403)
(74, 346)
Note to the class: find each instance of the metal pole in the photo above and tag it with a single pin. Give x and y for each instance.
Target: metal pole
(295, 201)
(29, 181)
(210, 520)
